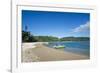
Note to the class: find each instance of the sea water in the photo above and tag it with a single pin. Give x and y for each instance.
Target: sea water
(79, 47)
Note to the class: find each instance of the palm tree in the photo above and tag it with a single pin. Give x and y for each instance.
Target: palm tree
(26, 28)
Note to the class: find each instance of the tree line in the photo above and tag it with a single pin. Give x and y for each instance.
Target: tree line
(28, 37)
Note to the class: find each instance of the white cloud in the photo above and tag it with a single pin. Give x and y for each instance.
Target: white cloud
(82, 28)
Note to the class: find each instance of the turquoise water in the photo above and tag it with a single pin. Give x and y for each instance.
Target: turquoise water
(79, 47)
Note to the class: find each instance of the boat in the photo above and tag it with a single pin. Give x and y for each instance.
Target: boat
(59, 46)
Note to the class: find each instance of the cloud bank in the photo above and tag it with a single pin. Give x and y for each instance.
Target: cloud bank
(82, 28)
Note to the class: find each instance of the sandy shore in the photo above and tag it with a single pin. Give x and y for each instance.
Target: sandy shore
(41, 52)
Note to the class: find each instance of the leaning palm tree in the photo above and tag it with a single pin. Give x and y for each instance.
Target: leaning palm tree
(26, 28)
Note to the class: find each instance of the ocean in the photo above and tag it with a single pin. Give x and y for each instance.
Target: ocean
(79, 47)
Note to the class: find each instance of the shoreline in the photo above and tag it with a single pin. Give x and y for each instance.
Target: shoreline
(41, 52)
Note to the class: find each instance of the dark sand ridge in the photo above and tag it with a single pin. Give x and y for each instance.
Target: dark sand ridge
(44, 53)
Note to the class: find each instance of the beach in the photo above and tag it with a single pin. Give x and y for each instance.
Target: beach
(36, 52)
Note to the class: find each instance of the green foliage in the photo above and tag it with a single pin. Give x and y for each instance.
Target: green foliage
(75, 39)
(28, 37)
(46, 38)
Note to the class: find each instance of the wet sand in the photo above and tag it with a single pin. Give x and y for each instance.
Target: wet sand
(43, 53)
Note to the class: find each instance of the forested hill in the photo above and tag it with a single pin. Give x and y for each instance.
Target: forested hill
(75, 39)
(28, 37)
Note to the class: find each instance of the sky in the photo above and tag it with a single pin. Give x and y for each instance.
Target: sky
(57, 24)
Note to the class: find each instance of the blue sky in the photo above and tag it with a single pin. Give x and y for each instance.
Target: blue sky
(58, 24)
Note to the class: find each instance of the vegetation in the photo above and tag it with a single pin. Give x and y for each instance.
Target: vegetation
(46, 38)
(28, 37)
(75, 39)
